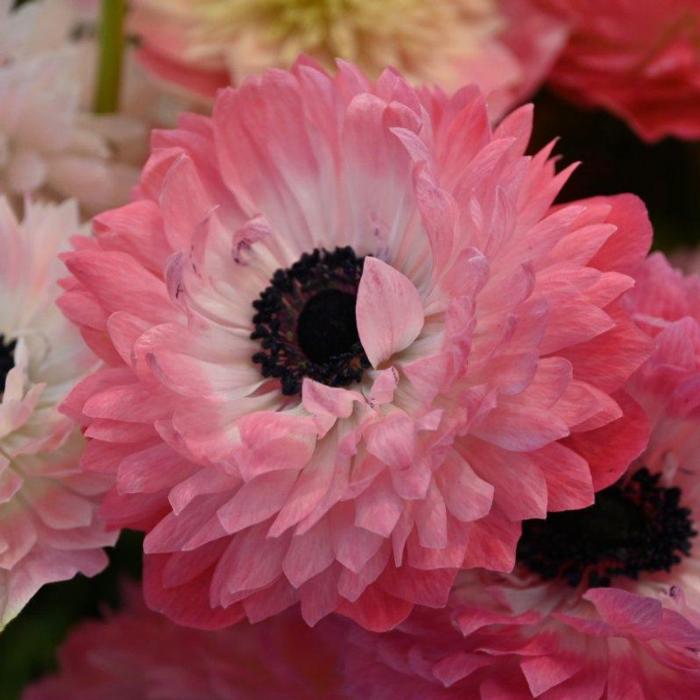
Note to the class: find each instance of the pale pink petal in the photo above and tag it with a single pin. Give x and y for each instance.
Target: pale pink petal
(389, 311)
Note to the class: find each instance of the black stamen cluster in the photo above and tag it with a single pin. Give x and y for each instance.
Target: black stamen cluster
(305, 322)
(634, 526)
(7, 359)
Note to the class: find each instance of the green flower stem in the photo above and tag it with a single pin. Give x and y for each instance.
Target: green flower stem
(110, 59)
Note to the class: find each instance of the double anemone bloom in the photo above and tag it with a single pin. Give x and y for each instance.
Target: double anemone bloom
(349, 344)
(49, 526)
(605, 601)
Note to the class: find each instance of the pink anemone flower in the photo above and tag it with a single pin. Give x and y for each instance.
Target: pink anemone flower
(140, 655)
(640, 60)
(49, 526)
(605, 602)
(349, 345)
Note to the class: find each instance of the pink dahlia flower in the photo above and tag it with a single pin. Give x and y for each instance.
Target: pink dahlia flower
(136, 654)
(349, 345)
(605, 602)
(49, 529)
(506, 46)
(640, 60)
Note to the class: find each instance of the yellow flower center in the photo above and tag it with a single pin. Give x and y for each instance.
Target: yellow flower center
(418, 37)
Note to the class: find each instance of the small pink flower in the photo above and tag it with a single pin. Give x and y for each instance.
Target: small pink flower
(136, 654)
(507, 47)
(605, 603)
(640, 60)
(349, 345)
(49, 529)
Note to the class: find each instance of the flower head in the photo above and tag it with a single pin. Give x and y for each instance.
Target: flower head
(641, 60)
(349, 346)
(605, 601)
(49, 529)
(503, 45)
(141, 655)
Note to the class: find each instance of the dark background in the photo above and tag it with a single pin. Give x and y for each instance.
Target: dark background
(666, 175)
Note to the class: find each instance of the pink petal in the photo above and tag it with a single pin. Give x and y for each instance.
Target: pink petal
(627, 613)
(257, 500)
(466, 495)
(626, 249)
(318, 398)
(389, 311)
(377, 611)
(309, 554)
(187, 604)
(545, 672)
(378, 508)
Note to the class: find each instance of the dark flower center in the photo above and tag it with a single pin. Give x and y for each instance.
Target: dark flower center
(305, 322)
(634, 526)
(7, 359)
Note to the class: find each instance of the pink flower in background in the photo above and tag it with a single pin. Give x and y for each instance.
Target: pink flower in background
(663, 295)
(513, 63)
(49, 529)
(136, 654)
(639, 59)
(605, 602)
(505, 46)
(349, 346)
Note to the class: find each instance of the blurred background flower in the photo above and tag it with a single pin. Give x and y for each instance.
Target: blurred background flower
(140, 655)
(505, 46)
(52, 143)
(49, 527)
(639, 59)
